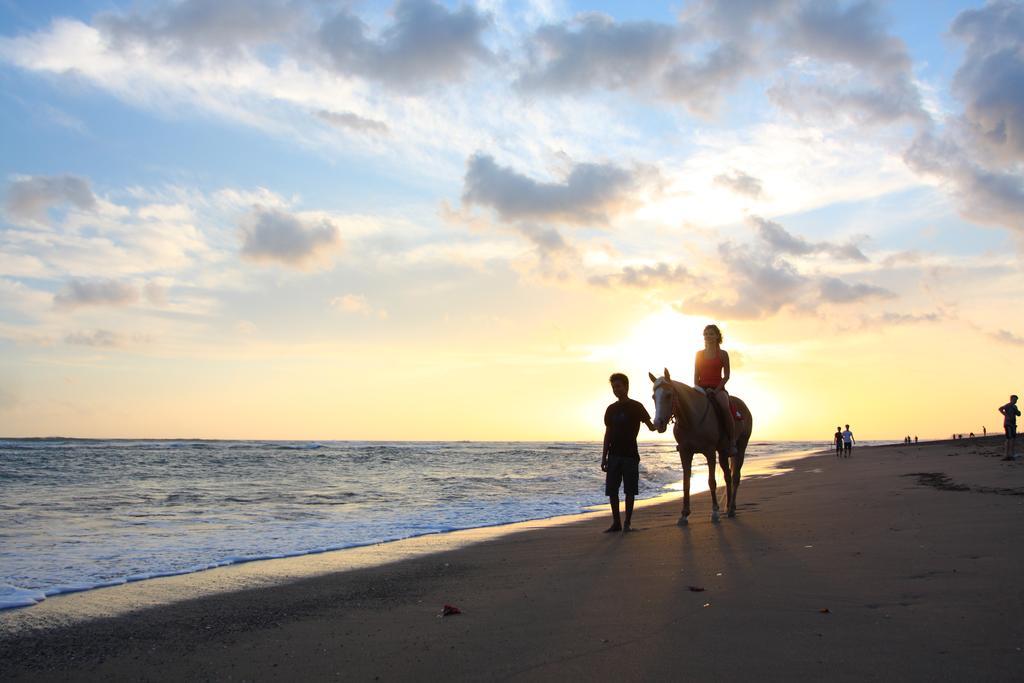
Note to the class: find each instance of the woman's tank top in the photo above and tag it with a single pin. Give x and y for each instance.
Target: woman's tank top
(709, 370)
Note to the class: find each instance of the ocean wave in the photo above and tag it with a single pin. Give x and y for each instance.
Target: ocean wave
(78, 515)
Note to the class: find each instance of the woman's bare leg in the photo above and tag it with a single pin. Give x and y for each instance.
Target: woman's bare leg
(722, 396)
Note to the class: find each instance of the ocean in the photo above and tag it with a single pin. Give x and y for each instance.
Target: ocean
(77, 514)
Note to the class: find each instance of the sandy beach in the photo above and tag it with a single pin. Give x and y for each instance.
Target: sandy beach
(900, 563)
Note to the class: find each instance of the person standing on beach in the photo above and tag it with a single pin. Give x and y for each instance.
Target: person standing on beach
(837, 439)
(620, 458)
(710, 373)
(1010, 413)
(848, 441)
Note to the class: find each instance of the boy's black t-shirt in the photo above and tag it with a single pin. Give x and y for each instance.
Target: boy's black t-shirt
(623, 420)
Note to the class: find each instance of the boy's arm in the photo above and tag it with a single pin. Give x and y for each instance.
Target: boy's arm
(646, 418)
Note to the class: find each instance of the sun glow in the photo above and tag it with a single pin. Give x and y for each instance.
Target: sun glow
(666, 339)
(669, 339)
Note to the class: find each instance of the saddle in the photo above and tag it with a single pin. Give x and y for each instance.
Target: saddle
(738, 415)
(737, 410)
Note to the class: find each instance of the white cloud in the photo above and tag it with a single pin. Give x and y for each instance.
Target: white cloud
(357, 303)
(78, 293)
(425, 44)
(589, 193)
(29, 199)
(270, 234)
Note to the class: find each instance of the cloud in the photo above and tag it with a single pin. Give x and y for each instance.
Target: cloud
(741, 183)
(834, 290)
(425, 44)
(594, 51)
(700, 84)
(905, 318)
(783, 242)
(1008, 337)
(978, 155)
(31, 198)
(893, 101)
(644, 277)
(892, 319)
(349, 121)
(100, 292)
(590, 193)
(987, 196)
(878, 86)
(758, 283)
(990, 81)
(105, 339)
(855, 35)
(547, 239)
(357, 303)
(270, 234)
(192, 28)
(101, 338)
(761, 286)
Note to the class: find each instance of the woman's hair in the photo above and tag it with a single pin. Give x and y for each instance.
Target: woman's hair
(714, 328)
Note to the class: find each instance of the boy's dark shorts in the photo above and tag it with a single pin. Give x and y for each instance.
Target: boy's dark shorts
(625, 471)
(1011, 432)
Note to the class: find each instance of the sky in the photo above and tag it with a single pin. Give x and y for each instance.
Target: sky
(420, 220)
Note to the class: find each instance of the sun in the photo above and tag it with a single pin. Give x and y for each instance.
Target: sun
(666, 339)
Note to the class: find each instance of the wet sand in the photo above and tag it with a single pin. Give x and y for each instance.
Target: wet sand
(900, 563)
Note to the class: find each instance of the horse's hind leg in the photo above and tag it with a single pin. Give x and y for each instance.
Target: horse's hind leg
(726, 462)
(737, 466)
(712, 484)
(686, 459)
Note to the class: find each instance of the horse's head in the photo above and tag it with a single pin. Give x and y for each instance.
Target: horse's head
(664, 401)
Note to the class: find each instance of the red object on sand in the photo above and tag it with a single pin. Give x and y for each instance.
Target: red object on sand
(449, 610)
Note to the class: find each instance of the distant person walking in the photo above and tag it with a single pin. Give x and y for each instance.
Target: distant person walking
(1010, 413)
(837, 438)
(848, 441)
(620, 458)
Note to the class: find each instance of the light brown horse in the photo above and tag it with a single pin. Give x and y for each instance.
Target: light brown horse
(698, 430)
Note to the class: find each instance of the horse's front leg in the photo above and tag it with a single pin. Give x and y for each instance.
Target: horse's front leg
(686, 459)
(712, 484)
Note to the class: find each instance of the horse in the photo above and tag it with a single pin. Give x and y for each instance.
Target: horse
(697, 430)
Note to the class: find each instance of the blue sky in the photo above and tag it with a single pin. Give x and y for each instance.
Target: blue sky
(491, 185)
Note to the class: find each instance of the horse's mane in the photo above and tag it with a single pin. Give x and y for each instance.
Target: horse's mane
(681, 390)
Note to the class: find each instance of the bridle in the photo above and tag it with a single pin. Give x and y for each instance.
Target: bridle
(677, 404)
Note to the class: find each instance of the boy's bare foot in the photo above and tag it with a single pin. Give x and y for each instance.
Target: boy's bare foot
(613, 527)
(626, 528)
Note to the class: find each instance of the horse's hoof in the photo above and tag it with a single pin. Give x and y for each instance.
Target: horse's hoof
(714, 516)
(683, 521)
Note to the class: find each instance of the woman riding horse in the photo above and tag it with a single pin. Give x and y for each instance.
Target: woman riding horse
(710, 373)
